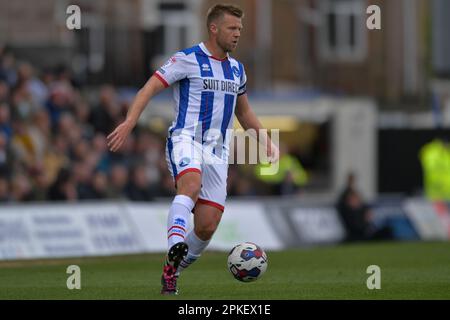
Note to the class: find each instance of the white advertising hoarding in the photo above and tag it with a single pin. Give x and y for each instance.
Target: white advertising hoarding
(90, 229)
(245, 221)
(317, 225)
(40, 231)
(425, 219)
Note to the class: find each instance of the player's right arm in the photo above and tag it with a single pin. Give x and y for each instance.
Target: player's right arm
(172, 71)
(120, 134)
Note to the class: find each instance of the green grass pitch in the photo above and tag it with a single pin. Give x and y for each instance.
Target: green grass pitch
(410, 270)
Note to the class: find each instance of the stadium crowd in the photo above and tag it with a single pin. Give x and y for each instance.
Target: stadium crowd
(53, 143)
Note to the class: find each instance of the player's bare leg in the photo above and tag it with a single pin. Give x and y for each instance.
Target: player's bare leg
(189, 184)
(188, 188)
(206, 221)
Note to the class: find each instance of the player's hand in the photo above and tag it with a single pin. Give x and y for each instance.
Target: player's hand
(273, 153)
(116, 138)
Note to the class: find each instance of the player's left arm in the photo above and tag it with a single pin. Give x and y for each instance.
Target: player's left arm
(248, 120)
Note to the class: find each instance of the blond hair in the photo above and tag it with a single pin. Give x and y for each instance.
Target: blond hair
(219, 10)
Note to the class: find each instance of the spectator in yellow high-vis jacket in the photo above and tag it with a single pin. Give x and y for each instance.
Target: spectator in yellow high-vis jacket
(435, 160)
(289, 178)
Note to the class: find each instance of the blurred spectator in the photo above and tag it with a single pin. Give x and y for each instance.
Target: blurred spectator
(3, 154)
(150, 152)
(40, 132)
(4, 91)
(357, 215)
(56, 157)
(5, 121)
(435, 160)
(100, 149)
(81, 150)
(64, 188)
(82, 116)
(4, 190)
(8, 71)
(22, 102)
(139, 188)
(68, 128)
(41, 184)
(63, 75)
(106, 115)
(289, 178)
(118, 179)
(21, 189)
(240, 183)
(244, 187)
(22, 144)
(37, 89)
(59, 101)
(47, 78)
(100, 185)
(126, 155)
(82, 177)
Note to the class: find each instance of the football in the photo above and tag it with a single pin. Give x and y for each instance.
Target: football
(247, 262)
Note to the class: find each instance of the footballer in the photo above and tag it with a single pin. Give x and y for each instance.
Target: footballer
(209, 88)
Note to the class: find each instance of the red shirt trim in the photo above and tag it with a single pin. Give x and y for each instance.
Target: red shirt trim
(160, 77)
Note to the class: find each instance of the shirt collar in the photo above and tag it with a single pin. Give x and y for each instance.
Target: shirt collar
(206, 51)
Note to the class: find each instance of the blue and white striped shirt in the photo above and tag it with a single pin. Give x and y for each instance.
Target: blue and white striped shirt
(205, 90)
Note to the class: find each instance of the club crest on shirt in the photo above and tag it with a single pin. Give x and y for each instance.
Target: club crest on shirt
(236, 72)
